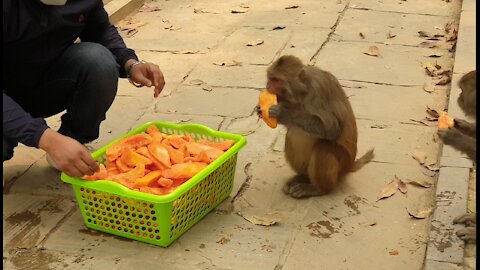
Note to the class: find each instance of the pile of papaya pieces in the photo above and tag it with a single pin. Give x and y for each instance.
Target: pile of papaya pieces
(157, 163)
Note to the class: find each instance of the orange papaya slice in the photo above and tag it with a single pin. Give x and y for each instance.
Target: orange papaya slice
(122, 167)
(147, 179)
(152, 129)
(184, 170)
(164, 182)
(160, 153)
(445, 121)
(114, 151)
(153, 190)
(176, 156)
(223, 145)
(132, 158)
(265, 101)
(132, 175)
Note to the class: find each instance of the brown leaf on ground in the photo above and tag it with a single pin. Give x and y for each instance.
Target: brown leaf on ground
(420, 156)
(279, 27)
(420, 183)
(429, 87)
(207, 88)
(420, 213)
(423, 34)
(443, 80)
(129, 27)
(186, 52)
(255, 42)
(388, 190)
(431, 68)
(435, 55)
(424, 122)
(266, 220)
(401, 185)
(428, 172)
(361, 35)
(245, 132)
(197, 82)
(432, 112)
(203, 10)
(428, 44)
(223, 241)
(292, 7)
(390, 35)
(372, 51)
(227, 63)
(368, 223)
(239, 10)
(146, 8)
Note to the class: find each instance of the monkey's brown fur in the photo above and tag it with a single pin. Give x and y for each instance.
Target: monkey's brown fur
(463, 138)
(321, 139)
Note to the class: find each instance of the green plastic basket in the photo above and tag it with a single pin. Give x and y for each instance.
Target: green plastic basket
(159, 220)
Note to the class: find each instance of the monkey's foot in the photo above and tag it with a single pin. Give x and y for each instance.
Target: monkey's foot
(295, 180)
(302, 190)
(468, 219)
(468, 234)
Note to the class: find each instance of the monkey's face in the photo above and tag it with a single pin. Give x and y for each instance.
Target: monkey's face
(276, 85)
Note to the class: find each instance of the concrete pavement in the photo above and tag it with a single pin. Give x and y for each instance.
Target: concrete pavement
(348, 229)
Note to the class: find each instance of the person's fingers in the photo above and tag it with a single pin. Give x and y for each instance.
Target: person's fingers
(90, 161)
(142, 79)
(72, 171)
(83, 168)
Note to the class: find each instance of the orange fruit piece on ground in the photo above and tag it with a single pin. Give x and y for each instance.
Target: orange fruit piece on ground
(265, 101)
(445, 121)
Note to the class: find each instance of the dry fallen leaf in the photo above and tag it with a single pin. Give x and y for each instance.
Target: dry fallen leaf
(431, 68)
(435, 55)
(239, 10)
(372, 51)
(243, 5)
(255, 42)
(401, 185)
(443, 80)
(432, 112)
(197, 82)
(207, 88)
(432, 168)
(146, 8)
(292, 7)
(428, 44)
(266, 220)
(429, 87)
(368, 223)
(420, 213)
(420, 156)
(428, 172)
(245, 132)
(228, 63)
(425, 121)
(361, 35)
(390, 35)
(179, 121)
(279, 27)
(420, 183)
(388, 190)
(171, 110)
(129, 28)
(379, 126)
(203, 10)
(423, 34)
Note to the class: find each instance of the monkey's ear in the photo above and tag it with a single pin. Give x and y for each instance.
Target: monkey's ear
(302, 75)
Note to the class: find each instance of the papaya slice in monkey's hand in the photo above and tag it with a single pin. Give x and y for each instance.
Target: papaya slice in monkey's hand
(265, 101)
(445, 121)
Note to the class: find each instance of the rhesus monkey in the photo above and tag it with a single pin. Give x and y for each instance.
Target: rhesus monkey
(321, 139)
(463, 138)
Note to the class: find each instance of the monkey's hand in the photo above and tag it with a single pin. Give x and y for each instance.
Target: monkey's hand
(274, 111)
(258, 111)
(465, 127)
(459, 141)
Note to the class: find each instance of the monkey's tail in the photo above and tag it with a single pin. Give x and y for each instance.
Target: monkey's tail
(360, 162)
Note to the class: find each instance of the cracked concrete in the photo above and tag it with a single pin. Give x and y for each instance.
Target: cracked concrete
(347, 229)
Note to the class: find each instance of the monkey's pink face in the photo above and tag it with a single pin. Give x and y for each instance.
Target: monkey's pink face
(276, 86)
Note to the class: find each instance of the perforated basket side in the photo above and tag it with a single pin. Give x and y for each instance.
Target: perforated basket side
(116, 214)
(202, 198)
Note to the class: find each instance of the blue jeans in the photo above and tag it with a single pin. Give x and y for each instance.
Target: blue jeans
(83, 81)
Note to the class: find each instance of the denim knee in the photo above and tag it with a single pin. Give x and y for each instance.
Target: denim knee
(8, 146)
(97, 60)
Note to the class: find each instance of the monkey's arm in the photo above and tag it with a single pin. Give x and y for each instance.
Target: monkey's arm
(459, 141)
(465, 127)
(308, 122)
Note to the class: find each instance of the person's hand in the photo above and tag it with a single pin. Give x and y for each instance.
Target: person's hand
(69, 155)
(147, 74)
